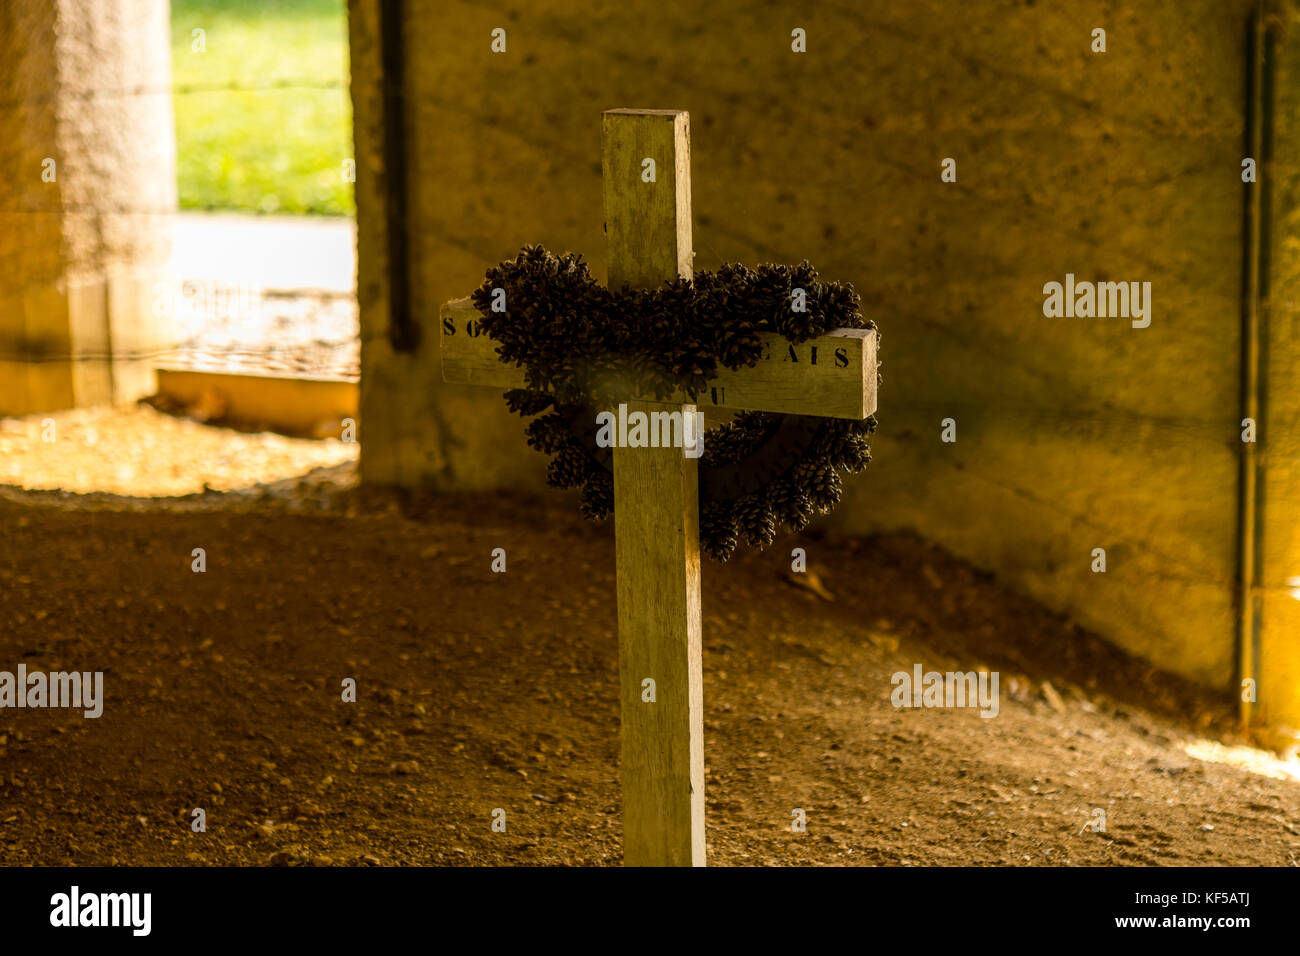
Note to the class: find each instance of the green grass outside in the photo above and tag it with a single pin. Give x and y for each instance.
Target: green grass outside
(265, 150)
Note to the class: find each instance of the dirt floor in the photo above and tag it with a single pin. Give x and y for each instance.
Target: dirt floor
(480, 690)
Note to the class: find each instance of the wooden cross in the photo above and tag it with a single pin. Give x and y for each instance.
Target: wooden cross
(656, 515)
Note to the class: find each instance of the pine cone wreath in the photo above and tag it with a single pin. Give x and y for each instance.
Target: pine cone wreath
(581, 345)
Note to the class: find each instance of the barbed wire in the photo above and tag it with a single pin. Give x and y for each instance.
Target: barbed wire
(97, 209)
(284, 84)
(180, 89)
(101, 209)
(236, 291)
(187, 349)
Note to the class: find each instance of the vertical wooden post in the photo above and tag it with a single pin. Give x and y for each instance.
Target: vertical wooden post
(656, 520)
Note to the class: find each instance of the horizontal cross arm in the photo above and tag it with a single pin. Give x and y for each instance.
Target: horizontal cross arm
(833, 376)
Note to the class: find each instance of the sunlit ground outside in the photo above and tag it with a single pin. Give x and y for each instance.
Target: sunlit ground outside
(140, 452)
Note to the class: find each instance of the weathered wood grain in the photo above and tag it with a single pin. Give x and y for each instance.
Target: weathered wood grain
(656, 523)
(833, 376)
(647, 224)
(656, 532)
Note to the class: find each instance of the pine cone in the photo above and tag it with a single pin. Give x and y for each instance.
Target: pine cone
(524, 402)
(569, 468)
(598, 495)
(717, 531)
(755, 521)
(824, 488)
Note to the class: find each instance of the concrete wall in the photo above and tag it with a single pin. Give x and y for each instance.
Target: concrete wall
(85, 83)
(1073, 434)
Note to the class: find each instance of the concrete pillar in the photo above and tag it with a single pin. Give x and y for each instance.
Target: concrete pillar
(415, 431)
(1276, 632)
(87, 188)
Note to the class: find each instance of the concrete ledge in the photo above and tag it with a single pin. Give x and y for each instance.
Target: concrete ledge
(313, 407)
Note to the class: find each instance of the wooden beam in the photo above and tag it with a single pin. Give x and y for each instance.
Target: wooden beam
(656, 525)
(657, 546)
(833, 376)
(647, 224)
(299, 405)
